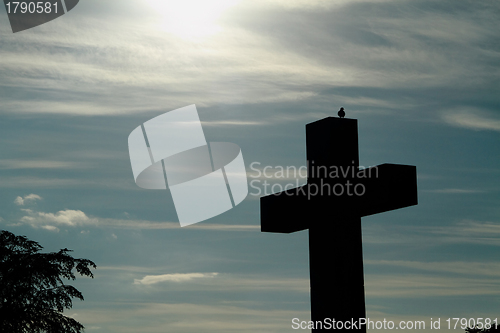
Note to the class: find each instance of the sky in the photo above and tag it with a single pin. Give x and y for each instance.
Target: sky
(421, 77)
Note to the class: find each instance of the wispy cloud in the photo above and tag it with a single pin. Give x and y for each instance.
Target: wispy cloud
(215, 281)
(38, 182)
(418, 285)
(36, 164)
(145, 224)
(453, 191)
(475, 229)
(466, 268)
(465, 231)
(471, 118)
(232, 123)
(179, 317)
(92, 73)
(77, 218)
(90, 61)
(230, 282)
(22, 182)
(152, 279)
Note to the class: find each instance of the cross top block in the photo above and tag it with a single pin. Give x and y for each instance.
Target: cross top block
(333, 141)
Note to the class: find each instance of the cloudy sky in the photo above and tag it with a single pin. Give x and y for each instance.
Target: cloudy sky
(421, 77)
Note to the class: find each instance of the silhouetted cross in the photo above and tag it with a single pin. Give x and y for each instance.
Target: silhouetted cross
(333, 217)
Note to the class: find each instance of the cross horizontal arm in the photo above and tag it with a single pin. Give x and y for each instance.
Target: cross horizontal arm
(393, 187)
(284, 212)
(377, 189)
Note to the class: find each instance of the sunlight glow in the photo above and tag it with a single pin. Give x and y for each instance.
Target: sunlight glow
(191, 18)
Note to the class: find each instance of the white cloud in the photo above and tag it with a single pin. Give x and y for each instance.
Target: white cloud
(49, 221)
(50, 228)
(152, 279)
(20, 201)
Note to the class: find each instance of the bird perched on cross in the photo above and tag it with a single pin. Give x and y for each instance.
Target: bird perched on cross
(341, 113)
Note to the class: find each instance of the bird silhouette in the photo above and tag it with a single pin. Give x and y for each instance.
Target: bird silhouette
(341, 113)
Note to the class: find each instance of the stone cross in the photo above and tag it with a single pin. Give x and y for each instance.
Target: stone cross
(337, 194)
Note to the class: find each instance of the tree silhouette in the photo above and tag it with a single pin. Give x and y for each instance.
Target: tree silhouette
(32, 292)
